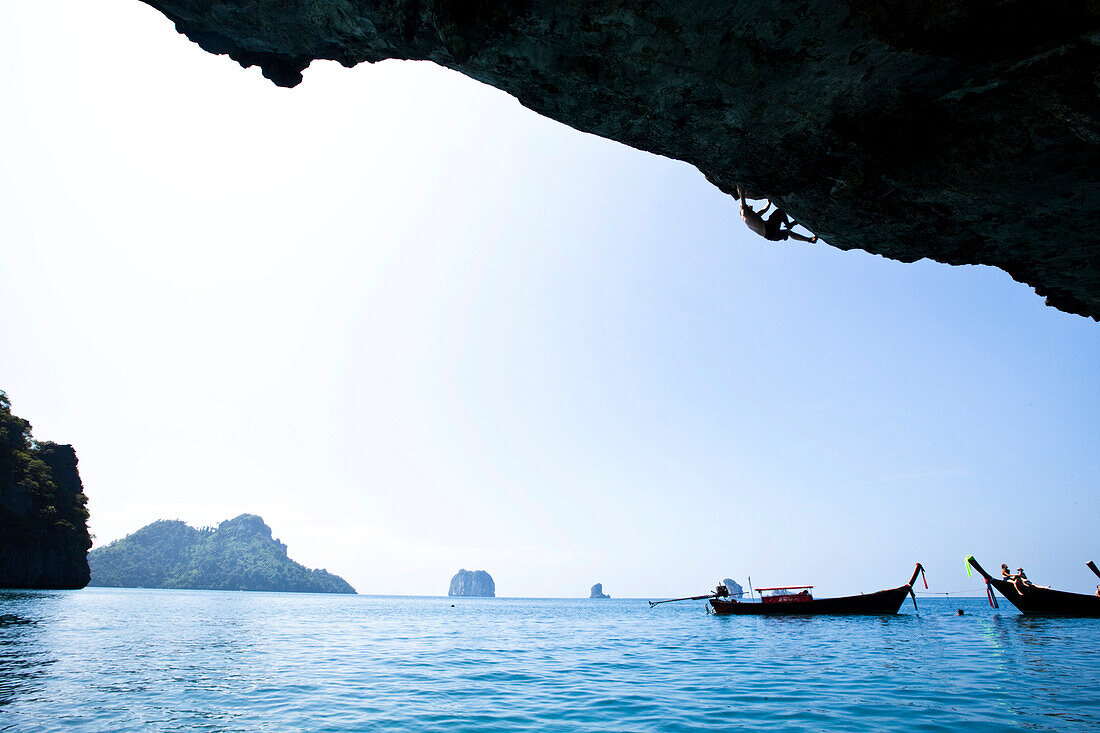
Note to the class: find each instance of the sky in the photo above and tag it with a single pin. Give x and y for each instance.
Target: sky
(417, 327)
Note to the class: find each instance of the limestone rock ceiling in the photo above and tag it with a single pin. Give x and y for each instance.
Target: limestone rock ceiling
(967, 133)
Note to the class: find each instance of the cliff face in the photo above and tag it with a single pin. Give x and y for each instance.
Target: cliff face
(472, 583)
(968, 133)
(597, 591)
(239, 555)
(44, 537)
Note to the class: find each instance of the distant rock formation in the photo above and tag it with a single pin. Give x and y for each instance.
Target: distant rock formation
(472, 583)
(734, 587)
(44, 537)
(239, 555)
(597, 591)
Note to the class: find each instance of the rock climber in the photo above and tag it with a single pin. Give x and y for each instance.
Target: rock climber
(771, 228)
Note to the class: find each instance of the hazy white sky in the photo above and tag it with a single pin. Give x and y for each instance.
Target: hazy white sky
(417, 327)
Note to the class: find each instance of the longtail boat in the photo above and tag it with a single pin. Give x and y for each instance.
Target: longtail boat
(1037, 600)
(802, 602)
(797, 600)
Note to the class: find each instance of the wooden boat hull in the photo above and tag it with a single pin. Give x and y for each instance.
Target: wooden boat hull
(1047, 602)
(1043, 601)
(883, 602)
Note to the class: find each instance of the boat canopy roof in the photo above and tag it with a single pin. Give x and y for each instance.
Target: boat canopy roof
(787, 587)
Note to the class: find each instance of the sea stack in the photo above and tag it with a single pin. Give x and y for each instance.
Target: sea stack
(472, 583)
(733, 587)
(597, 591)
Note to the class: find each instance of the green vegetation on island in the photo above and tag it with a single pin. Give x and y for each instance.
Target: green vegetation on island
(44, 537)
(240, 554)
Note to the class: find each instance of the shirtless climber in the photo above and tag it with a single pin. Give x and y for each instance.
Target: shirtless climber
(771, 228)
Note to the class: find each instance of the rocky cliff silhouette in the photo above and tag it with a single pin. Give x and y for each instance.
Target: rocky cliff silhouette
(44, 536)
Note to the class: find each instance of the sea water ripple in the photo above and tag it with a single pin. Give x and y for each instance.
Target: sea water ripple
(140, 660)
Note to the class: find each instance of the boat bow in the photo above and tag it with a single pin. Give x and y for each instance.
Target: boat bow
(1033, 599)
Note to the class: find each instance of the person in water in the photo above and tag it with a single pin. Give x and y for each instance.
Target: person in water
(771, 228)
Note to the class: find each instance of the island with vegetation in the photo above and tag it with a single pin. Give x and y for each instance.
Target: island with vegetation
(44, 536)
(240, 554)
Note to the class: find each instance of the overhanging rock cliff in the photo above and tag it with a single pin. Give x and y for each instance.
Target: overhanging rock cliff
(968, 133)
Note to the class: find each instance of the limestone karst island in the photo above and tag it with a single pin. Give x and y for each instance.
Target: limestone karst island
(239, 554)
(44, 536)
(44, 539)
(472, 583)
(734, 588)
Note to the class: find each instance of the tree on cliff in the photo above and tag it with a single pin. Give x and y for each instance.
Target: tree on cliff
(44, 536)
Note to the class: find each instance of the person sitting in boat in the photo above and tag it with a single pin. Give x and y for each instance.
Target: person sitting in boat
(1021, 583)
(773, 227)
(1098, 591)
(1005, 575)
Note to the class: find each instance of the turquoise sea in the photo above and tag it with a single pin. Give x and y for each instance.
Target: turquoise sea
(156, 660)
